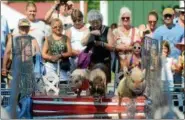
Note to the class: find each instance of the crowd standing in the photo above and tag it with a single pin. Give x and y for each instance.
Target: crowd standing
(68, 36)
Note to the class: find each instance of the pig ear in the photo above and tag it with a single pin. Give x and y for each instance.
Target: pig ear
(126, 72)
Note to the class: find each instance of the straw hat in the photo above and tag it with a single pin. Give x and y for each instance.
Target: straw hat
(181, 6)
(181, 45)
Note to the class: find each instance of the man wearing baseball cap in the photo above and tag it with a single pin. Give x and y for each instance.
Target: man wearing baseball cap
(171, 32)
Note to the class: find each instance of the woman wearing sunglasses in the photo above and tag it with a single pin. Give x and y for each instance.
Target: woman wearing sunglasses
(57, 47)
(96, 39)
(125, 34)
(76, 34)
(149, 28)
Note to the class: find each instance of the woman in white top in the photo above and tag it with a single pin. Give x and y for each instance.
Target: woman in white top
(125, 34)
(76, 34)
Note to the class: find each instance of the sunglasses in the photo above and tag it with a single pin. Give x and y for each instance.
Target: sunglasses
(137, 47)
(125, 18)
(152, 22)
(167, 16)
(55, 27)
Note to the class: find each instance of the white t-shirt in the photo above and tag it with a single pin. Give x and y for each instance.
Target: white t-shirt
(76, 37)
(38, 30)
(166, 73)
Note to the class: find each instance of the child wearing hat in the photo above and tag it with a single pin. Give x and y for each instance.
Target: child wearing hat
(22, 47)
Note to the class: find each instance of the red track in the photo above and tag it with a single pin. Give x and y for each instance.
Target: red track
(58, 106)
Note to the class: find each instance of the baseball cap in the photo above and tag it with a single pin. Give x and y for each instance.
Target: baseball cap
(168, 11)
(24, 22)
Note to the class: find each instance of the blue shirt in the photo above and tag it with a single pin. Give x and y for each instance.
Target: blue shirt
(173, 35)
(4, 32)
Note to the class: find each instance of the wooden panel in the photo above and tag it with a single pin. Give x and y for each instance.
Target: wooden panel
(148, 6)
(138, 16)
(140, 10)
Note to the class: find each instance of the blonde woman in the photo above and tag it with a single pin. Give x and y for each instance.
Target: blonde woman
(57, 47)
(123, 36)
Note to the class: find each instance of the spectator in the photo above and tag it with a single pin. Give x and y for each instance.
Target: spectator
(76, 34)
(167, 66)
(125, 34)
(96, 38)
(173, 33)
(60, 10)
(38, 29)
(151, 26)
(113, 26)
(57, 47)
(4, 36)
(23, 26)
(70, 7)
(180, 20)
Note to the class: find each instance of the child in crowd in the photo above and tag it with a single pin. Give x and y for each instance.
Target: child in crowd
(134, 59)
(168, 66)
(21, 49)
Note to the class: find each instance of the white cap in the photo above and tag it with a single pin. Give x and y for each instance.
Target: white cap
(181, 6)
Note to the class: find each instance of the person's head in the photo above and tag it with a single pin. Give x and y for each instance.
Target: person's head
(70, 7)
(56, 26)
(152, 19)
(114, 26)
(77, 18)
(165, 48)
(31, 10)
(181, 11)
(62, 9)
(137, 47)
(168, 16)
(125, 17)
(24, 26)
(95, 19)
